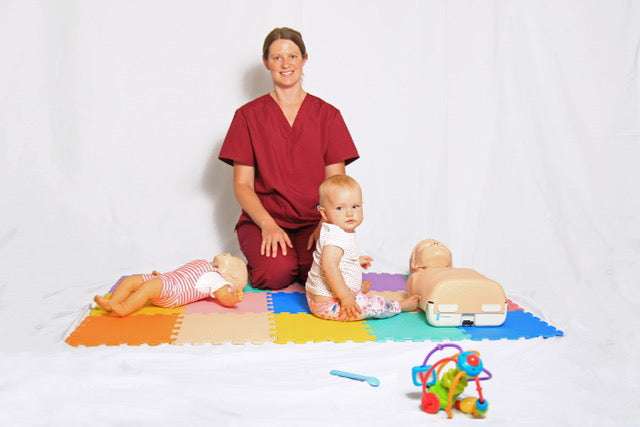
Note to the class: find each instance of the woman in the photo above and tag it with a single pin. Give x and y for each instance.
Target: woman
(282, 145)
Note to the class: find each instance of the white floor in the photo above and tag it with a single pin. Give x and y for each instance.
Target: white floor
(587, 377)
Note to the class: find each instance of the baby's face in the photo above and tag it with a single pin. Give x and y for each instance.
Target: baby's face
(431, 253)
(343, 207)
(233, 269)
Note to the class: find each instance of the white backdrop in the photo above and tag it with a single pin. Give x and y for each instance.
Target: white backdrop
(507, 129)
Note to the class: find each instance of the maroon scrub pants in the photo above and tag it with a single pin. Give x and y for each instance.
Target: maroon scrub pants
(281, 271)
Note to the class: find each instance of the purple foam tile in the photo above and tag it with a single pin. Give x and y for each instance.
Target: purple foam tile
(386, 282)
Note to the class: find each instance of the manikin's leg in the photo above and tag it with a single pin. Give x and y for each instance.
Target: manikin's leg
(122, 291)
(136, 299)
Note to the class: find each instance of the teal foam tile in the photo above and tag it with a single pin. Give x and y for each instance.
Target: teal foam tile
(412, 327)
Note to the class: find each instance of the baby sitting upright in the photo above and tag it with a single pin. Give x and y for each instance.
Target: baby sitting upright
(224, 279)
(335, 289)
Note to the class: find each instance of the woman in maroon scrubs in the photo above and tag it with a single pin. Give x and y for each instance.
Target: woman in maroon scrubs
(282, 145)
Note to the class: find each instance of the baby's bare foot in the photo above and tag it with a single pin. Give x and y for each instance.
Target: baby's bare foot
(410, 304)
(103, 303)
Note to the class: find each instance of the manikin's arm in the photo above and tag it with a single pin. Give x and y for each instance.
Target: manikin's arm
(329, 170)
(215, 284)
(273, 236)
(330, 260)
(228, 298)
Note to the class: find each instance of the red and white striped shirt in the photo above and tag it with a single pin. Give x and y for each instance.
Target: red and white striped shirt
(193, 281)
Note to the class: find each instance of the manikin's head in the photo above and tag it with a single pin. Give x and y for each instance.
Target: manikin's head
(341, 202)
(429, 253)
(233, 269)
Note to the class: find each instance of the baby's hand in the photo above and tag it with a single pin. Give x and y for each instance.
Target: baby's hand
(365, 261)
(349, 307)
(366, 285)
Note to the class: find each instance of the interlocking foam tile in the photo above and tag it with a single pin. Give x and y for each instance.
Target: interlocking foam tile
(392, 295)
(386, 282)
(252, 303)
(519, 324)
(283, 316)
(289, 302)
(294, 287)
(302, 328)
(131, 330)
(411, 326)
(219, 328)
(511, 306)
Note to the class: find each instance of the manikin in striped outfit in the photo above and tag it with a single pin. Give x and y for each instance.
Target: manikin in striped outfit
(223, 279)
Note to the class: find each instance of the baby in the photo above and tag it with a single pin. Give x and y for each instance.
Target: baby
(335, 289)
(224, 279)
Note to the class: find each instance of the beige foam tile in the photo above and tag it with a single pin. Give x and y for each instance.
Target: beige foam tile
(391, 295)
(216, 328)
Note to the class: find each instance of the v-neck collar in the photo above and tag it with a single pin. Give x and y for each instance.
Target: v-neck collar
(283, 116)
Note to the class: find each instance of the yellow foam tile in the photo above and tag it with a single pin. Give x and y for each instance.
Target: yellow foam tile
(301, 328)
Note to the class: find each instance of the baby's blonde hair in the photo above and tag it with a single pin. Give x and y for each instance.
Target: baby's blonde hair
(336, 182)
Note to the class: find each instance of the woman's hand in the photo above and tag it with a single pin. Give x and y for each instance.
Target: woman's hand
(273, 236)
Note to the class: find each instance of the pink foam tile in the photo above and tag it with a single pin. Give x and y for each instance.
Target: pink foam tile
(512, 306)
(252, 303)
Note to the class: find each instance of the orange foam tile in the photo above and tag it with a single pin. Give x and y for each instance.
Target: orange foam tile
(131, 330)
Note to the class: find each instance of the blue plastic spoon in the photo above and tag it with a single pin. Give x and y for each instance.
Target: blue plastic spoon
(374, 382)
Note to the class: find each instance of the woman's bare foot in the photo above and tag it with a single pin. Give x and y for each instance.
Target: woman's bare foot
(410, 304)
(103, 303)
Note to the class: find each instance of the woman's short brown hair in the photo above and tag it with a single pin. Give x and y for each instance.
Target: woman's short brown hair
(285, 33)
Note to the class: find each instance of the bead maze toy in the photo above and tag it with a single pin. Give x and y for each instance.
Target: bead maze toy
(442, 391)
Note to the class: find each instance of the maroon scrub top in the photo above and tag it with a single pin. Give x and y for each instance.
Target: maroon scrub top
(289, 161)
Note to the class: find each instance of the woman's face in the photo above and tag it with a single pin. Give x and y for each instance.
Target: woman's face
(285, 62)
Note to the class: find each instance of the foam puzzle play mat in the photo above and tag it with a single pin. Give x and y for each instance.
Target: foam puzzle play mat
(284, 317)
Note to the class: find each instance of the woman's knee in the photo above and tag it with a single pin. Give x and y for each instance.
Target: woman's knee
(276, 273)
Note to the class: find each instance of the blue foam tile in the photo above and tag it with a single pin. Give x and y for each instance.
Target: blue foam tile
(289, 302)
(519, 324)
